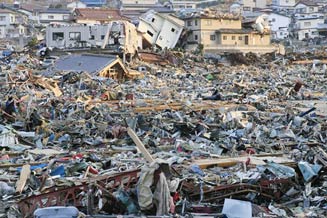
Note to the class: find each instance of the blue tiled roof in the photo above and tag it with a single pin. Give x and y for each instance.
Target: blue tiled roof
(94, 2)
(85, 62)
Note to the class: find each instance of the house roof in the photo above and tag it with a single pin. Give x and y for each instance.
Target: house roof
(98, 14)
(56, 11)
(307, 3)
(84, 62)
(94, 2)
(5, 11)
(30, 7)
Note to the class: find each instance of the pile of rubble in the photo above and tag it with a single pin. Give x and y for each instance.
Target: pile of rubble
(193, 136)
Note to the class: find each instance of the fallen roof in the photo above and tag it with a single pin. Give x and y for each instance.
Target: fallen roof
(84, 62)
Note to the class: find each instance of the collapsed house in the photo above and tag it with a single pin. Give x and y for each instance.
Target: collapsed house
(96, 65)
(117, 35)
(162, 31)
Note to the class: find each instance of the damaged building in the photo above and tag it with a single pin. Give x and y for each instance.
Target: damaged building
(117, 35)
(162, 31)
(217, 32)
(95, 65)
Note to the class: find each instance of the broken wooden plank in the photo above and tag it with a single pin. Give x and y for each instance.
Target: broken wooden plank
(228, 162)
(21, 164)
(140, 145)
(310, 62)
(24, 175)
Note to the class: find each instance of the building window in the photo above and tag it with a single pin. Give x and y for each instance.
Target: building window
(240, 38)
(65, 17)
(102, 37)
(233, 37)
(287, 1)
(136, 2)
(189, 6)
(92, 37)
(148, 32)
(307, 23)
(196, 22)
(311, 9)
(208, 22)
(224, 37)
(196, 37)
(50, 17)
(75, 36)
(2, 18)
(58, 36)
(212, 37)
(273, 20)
(189, 23)
(246, 9)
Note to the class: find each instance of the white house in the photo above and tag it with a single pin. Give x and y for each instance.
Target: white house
(191, 4)
(249, 5)
(11, 24)
(160, 30)
(76, 4)
(305, 7)
(138, 4)
(54, 15)
(283, 5)
(279, 25)
(306, 27)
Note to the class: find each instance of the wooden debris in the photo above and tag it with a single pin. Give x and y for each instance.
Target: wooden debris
(140, 145)
(24, 175)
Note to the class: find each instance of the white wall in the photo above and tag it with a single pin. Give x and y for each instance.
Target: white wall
(7, 19)
(309, 23)
(77, 4)
(277, 21)
(302, 8)
(169, 35)
(2, 32)
(284, 3)
(53, 17)
(165, 32)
